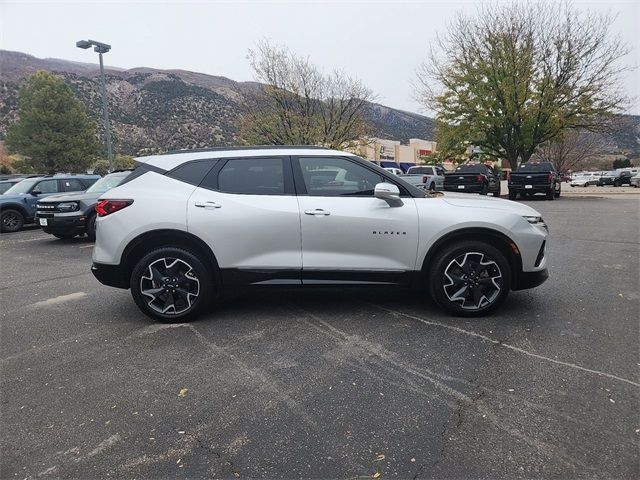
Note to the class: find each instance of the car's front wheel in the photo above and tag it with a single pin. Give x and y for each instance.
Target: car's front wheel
(470, 278)
(11, 221)
(171, 284)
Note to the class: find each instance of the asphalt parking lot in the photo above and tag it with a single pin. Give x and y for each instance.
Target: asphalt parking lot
(327, 384)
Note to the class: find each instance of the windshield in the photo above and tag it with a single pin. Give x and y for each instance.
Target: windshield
(535, 167)
(477, 168)
(21, 187)
(107, 183)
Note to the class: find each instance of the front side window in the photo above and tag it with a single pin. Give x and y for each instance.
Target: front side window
(47, 186)
(333, 177)
(252, 176)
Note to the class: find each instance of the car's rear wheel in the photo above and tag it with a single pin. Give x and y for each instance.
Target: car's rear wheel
(90, 228)
(512, 195)
(171, 284)
(497, 192)
(485, 189)
(11, 220)
(432, 187)
(551, 194)
(470, 279)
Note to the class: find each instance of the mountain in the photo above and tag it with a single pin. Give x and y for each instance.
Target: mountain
(153, 109)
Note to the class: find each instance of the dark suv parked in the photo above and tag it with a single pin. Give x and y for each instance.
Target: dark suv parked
(18, 204)
(65, 216)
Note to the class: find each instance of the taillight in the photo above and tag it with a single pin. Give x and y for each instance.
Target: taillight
(424, 179)
(480, 179)
(107, 207)
(550, 178)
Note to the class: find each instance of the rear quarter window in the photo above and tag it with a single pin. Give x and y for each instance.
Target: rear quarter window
(192, 172)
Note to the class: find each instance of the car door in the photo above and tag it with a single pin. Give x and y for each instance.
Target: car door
(247, 212)
(42, 189)
(348, 235)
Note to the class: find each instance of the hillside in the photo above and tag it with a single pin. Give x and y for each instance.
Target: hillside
(169, 109)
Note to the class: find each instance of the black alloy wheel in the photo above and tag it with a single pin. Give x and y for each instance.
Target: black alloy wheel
(470, 279)
(171, 284)
(11, 221)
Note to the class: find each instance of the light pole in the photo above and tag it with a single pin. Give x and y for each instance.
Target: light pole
(101, 48)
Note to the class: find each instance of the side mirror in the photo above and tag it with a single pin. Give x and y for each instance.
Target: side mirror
(389, 193)
(35, 192)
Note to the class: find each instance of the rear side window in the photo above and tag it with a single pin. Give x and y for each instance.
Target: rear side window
(192, 172)
(536, 167)
(72, 185)
(252, 176)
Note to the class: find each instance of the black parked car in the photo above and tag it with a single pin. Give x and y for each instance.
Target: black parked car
(65, 216)
(616, 179)
(473, 178)
(535, 177)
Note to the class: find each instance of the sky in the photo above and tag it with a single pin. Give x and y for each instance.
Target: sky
(380, 42)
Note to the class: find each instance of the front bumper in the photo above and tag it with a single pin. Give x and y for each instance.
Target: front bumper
(110, 275)
(74, 222)
(527, 280)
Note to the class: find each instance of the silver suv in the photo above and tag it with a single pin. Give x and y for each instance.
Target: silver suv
(185, 226)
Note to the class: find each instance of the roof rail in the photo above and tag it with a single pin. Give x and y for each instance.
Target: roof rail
(255, 147)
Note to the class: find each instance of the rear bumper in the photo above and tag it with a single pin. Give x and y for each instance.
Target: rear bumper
(528, 280)
(473, 188)
(533, 189)
(110, 275)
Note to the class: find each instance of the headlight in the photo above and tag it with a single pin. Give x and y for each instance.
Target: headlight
(533, 219)
(68, 206)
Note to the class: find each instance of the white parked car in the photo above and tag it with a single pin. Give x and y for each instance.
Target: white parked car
(585, 179)
(183, 227)
(425, 176)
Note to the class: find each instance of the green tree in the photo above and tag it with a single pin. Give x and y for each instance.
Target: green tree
(621, 163)
(53, 131)
(101, 167)
(518, 75)
(123, 162)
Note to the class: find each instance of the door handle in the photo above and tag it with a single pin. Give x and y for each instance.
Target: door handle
(318, 212)
(207, 205)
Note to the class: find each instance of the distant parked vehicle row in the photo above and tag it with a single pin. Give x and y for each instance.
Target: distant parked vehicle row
(534, 177)
(616, 178)
(18, 203)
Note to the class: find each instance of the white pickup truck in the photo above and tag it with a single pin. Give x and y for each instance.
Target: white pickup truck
(426, 177)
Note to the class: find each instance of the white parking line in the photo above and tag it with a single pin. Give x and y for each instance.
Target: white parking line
(507, 346)
(61, 299)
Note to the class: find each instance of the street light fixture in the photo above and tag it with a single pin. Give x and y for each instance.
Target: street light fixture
(101, 48)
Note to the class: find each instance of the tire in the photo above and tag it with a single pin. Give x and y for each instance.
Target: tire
(90, 228)
(449, 287)
(616, 184)
(485, 189)
(512, 195)
(432, 187)
(497, 192)
(191, 277)
(64, 236)
(11, 220)
(551, 194)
